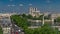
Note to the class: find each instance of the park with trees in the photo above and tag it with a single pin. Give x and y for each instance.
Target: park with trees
(22, 22)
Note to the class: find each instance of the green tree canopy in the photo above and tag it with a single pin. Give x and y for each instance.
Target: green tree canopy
(1, 32)
(24, 15)
(29, 16)
(20, 21)
(57, 19)
(45, 29)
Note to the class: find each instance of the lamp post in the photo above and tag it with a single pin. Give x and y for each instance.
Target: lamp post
(52, 20)
(43, 18)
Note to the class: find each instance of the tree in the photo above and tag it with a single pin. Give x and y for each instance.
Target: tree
(45, 29)
(40, 17)
(29, 31)
(29, 16)
(47, 17)
(24, 15)
(58, 19)
(1, 32)
(20, 21)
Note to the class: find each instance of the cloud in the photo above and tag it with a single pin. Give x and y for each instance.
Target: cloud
(8, 5)
(11, 5)
(30, 4)
(20, 4)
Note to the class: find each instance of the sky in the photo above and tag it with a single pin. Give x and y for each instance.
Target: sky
(24, 5)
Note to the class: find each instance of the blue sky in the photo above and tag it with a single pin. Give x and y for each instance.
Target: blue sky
(23, 5)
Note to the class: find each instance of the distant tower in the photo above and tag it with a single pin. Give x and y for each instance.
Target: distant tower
(31, 10)
(34, 12)
(35, 9)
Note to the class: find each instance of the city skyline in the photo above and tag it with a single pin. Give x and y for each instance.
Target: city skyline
(23, 5)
